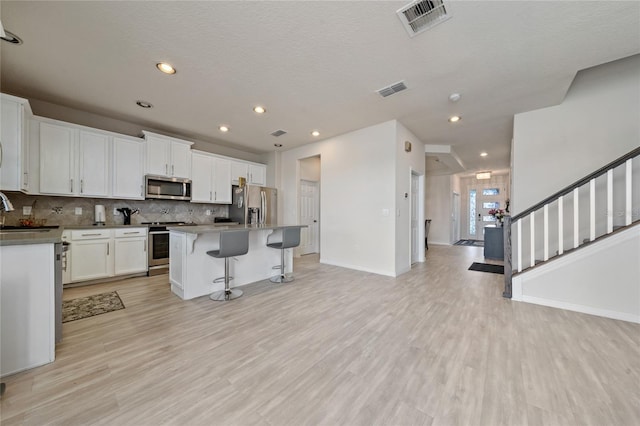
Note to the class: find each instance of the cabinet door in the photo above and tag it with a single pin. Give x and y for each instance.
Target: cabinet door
(10, 145)
(257, 174)
(94, 164)
(238, 169)
(91, 259)
(201, 190)
(177, 259)
(180, 160)
(158, 152)
(222, 181)
(57, 147)
(130, 255)
(128, 169)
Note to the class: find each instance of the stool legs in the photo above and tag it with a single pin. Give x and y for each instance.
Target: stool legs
(282, 278)
(227, 293)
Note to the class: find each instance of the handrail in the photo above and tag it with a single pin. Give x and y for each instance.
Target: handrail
(578, 183)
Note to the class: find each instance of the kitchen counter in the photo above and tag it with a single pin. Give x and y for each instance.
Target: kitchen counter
(192, 271)
(24, 236)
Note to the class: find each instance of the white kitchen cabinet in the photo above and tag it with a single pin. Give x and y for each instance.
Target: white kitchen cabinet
(211, 179)
(238, 169)
(257, 174)
(128, 168)
(91, 254)
(13, 144)
(57, 155)
(27, 307)
(168, 156)
(93, 164)
(177, 247)
(130, 251)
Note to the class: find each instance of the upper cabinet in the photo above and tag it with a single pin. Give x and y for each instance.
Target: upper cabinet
(128, 168)
(13, 147)
(254, 173)
(93, 164)
(168, 156)
(211, 179)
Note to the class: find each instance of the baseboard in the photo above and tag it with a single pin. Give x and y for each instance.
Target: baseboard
(623, 316)
(357, 268)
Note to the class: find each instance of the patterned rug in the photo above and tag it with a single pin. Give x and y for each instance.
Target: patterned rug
(476, 243)
(85, 307)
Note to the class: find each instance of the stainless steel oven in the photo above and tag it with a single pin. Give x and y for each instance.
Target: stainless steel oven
(158, 251)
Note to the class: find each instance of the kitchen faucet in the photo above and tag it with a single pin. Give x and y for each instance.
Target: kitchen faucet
(6, 204)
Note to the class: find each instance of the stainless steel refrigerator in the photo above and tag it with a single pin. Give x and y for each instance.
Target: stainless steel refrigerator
(254, 205)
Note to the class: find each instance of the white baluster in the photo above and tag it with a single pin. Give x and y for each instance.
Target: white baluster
(609, 201)
(519, 228)
(560, 225)
(533, 239)
(546, 232)
(628, 206)
(592, 210)
(576, 220)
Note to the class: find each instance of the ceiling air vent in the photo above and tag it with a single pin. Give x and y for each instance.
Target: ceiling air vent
(420, 15)
(390, 90)
(278, 133)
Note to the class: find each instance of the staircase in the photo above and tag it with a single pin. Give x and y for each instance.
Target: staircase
(597, 207)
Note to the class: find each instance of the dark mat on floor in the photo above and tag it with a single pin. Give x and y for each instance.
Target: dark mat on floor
(476, 243)
(85, 307)
(485, 267)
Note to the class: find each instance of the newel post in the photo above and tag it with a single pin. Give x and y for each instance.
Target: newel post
(506, 234)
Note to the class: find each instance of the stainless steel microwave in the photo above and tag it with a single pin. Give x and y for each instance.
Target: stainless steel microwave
(167, 188)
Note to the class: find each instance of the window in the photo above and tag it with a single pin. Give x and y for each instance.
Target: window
(492, 205)
(472, 212)
(491, 191)
(488, 218)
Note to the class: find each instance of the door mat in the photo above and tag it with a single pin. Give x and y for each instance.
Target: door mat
(85, 307)
(485, 267)
(476, 243)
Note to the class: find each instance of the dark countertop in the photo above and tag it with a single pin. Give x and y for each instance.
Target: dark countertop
(201, 229)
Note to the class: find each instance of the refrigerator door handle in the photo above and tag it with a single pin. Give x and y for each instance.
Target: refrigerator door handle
(263, 207)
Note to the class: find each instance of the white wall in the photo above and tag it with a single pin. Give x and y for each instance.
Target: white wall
(438, 199)
(601, 279)
(358, 187)
(596, 123)
(406, 163)
(310, 169)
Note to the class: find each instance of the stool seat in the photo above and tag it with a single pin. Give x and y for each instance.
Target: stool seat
(283, 238)
(231, 243)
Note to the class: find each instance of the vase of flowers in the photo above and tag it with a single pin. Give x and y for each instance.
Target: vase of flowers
(498, 215)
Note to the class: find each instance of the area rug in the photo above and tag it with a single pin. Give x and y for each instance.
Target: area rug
(85, 307)
(476, 243)
(485, 267)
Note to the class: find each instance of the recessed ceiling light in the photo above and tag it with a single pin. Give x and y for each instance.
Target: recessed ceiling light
(144, 104)
(277, 145)
(259, 109)
(166, 68)
(454, 119)
(483, 154)
(315, 133)
(11, 37)
(454, 97)
(223, 129)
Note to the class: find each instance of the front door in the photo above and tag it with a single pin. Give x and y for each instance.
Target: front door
(480, 201)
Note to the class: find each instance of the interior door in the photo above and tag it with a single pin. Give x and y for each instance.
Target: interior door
(415, 215)
(309, 215)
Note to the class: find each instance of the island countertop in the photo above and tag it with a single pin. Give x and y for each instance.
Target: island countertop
(201, 229)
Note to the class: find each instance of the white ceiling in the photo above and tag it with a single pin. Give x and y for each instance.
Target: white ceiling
(313, 65)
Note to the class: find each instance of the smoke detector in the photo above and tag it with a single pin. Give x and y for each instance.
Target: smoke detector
(390, 90)
(421, 15)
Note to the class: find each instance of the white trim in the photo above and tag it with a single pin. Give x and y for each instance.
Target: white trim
(582, 308)
(359, 268)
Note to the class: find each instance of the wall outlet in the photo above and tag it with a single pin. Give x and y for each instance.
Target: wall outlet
(26, 210)
(78, 211)
(208, 212)
(116, 212)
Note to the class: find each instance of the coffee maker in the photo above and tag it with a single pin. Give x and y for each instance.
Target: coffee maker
(127, 213)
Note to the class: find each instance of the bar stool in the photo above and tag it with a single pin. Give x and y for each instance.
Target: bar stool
(231, 243)
(283, 238)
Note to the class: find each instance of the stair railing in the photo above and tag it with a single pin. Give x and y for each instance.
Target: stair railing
(513, 225)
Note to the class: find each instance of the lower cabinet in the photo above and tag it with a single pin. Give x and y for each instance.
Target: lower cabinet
(102, 253)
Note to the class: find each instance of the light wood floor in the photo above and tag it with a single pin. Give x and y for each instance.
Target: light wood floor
(436, 346)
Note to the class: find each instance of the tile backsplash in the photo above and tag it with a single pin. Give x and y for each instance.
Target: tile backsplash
(62, 210)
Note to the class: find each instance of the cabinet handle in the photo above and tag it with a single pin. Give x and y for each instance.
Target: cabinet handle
(81, 186)
(0, 153)
(91, 235)
(172, 170)
(166, 169)
(141, 193)
(107, 249)
(71, 185)
(210, 195)
(26, 179)
(145, 246)
(132, 232)
(215, 195)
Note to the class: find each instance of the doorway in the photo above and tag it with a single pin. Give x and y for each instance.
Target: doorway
(479, 200)
(309, 215)
(415, 218)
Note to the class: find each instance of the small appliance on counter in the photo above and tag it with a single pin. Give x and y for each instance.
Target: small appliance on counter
(127, 213)
(99, 215)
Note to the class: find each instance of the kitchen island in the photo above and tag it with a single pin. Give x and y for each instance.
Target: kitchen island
(192, 271)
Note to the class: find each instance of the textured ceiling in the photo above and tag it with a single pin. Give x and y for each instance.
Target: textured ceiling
(313, 65)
